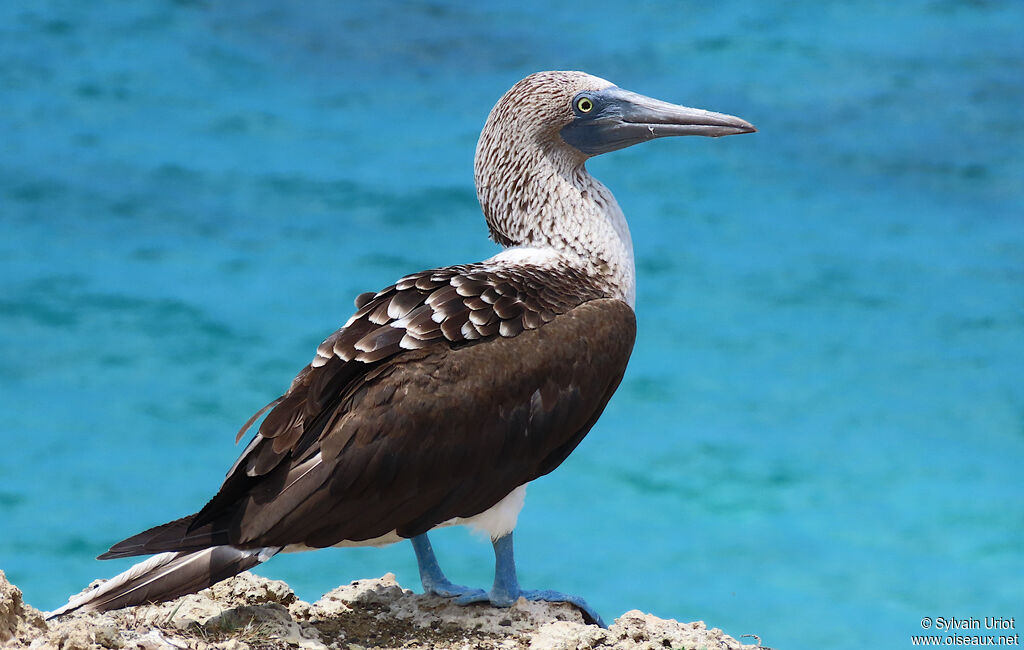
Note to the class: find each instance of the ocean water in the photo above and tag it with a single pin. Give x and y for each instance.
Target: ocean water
(820, 437)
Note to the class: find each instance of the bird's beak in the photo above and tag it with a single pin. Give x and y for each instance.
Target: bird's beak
(619, 118)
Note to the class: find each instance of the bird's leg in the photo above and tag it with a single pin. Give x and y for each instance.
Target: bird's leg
(506, 588)
(431, 575)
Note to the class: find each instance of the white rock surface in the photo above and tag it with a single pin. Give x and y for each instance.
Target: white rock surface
(248, 612)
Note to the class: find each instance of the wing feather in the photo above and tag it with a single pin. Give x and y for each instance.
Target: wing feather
(405, 419)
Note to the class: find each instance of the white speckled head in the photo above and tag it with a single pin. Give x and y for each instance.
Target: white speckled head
(533, 187)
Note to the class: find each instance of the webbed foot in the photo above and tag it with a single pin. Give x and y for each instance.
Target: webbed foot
(506, 589)
(507, 598)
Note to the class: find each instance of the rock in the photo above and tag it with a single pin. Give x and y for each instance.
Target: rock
(248, 612)
(19, 622)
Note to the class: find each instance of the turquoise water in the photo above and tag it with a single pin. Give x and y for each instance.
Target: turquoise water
(820, 438)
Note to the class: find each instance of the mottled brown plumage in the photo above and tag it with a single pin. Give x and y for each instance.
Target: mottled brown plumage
(386, 427)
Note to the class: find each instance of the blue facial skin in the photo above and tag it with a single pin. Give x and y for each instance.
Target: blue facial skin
(593, 132)
(619, 118)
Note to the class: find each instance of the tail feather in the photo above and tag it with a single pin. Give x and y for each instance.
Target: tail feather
(175, 536)
(136, 544)
(167, 576)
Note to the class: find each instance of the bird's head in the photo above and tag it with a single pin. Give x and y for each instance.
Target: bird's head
(579, 115)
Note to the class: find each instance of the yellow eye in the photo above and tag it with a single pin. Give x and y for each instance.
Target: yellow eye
(584, 104)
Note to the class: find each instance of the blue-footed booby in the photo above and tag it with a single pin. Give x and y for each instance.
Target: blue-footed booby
(447, 392)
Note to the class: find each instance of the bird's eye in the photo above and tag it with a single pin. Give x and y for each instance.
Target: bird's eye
(584, 104)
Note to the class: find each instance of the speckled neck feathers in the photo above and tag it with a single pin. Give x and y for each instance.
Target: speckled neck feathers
(536, 192)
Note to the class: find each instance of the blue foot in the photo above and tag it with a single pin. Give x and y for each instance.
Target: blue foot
(431, 576)
(507, 598)
(506, 587)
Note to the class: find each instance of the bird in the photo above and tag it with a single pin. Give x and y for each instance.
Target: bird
(447, 392)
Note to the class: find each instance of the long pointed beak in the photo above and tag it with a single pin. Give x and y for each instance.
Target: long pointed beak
(621, 118)
(666, 119)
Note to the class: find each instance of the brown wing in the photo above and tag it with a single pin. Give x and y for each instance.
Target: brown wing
(407, 418)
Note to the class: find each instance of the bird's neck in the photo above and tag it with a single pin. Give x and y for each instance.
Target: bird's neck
(539, 201)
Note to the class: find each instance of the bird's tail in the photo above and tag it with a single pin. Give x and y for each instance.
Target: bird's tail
(166, 576)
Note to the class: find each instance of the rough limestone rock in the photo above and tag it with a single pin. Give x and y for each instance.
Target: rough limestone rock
(18, 622)
(248, 612)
